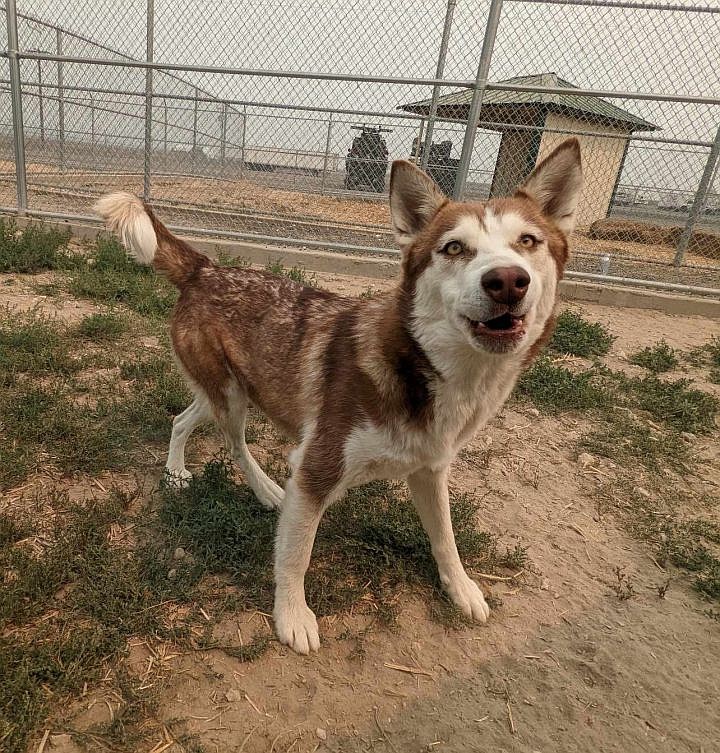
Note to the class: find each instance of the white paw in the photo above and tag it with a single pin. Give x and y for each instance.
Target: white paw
(270, 495)
(296, 626)
(178, 476)
(468, 598)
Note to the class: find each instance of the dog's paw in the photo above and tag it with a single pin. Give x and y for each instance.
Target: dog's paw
(270, 495)
(468, 598)
(179, 477)
(297, 627)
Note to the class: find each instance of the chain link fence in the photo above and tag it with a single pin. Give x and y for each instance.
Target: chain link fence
(278, 120)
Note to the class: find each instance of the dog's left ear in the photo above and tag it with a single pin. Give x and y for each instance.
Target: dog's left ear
(414, 200)
(556, 184)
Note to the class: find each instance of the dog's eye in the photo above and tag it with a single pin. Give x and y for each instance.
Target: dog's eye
(453, 248)
(528, 241)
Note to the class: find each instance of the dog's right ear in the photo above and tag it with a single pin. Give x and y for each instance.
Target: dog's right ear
(414, 200)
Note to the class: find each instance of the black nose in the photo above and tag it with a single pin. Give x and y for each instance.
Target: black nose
(506, 284)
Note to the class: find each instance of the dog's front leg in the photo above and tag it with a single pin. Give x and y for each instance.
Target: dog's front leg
(431, 499)
(295, 623)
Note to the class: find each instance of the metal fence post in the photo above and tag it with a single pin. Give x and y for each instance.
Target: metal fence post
(165, 128)
(40, 102)
(242, 143)
(194, 133)
(92, 120)
(439, 71)
(195, 121)
(16, 100)
(223, 132)
(477, 97)
(327, 155)
(699, 201)
(61, 102)
(149, 45)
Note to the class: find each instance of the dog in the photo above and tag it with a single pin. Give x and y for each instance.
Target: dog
(386, 388)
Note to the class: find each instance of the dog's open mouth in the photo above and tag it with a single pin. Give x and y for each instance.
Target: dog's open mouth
(507, 326)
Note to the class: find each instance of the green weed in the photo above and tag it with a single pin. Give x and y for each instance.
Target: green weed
(111, 276)
(103, 326)
(34, 248)
(656, 358)
(297, 274)
(556, 388)
(575, 335)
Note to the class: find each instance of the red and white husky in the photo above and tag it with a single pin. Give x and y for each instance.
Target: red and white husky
(391, 387)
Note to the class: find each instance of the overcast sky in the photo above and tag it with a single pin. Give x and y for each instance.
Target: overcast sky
(604, 48)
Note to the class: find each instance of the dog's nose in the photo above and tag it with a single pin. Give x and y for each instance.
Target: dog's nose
(506, 284)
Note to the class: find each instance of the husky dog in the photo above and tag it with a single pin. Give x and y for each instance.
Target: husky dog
(386, 388)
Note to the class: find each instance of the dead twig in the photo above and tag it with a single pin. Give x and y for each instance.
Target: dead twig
(43, 742)
(409, 670)
(247, 737)
(382, 731)
(510, 717)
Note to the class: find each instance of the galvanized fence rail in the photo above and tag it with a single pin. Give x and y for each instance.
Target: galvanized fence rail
(278, 122)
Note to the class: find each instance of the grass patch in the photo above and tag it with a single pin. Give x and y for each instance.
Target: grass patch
(297, 274)
(575, 335)
(34, 248)
(49, 416)
(158, 393)
(627, 440)
(111, 276)
(94, 595)
(556, 388)
(369, 544)
(32, 343)
(707, 355)
(650, 514)
(103, 326)
(676, 404)
(657, 358)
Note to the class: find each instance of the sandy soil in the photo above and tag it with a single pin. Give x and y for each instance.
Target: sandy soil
(563, 664)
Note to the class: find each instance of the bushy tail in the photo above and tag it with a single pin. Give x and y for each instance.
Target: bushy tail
(147, 239)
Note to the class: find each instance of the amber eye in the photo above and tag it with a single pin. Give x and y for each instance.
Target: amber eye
(528, 241)
(453, 248)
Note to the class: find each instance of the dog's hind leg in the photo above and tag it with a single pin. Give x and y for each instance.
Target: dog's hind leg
(198, 412)
(232, 424)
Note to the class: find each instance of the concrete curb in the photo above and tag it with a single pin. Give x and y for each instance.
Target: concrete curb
(378, 268)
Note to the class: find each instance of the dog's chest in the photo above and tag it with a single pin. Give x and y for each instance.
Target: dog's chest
(397, 449)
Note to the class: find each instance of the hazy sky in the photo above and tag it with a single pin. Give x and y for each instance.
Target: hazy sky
(605, 48)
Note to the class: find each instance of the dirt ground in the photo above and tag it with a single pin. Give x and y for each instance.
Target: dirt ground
(562, 665)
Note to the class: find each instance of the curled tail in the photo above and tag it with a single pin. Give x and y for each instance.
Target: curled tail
(147, 239)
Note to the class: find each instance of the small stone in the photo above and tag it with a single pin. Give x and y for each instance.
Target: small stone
(179, 553)
(545, 585)
(321, 733)
(585, 459)
(642, 492)
(233, 695)
(533, 411)
(172, 573)
(688, 436)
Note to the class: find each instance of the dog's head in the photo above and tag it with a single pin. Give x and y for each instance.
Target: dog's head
(486, 274)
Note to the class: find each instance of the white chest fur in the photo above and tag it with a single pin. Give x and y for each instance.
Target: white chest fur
(464, 401)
